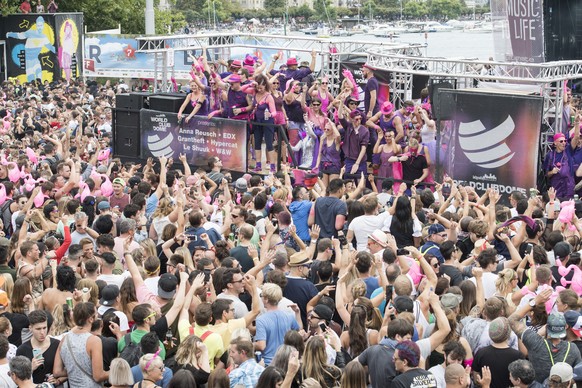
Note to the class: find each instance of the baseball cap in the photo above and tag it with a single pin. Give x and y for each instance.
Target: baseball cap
(103, 205)
(574, 321)
(323, 312)
(563, 371)
(403, 304)
(556, 326)
(435, 228)
(167, 286)
(108, 295)
(241, 184)
(451, 301)
(562, 250)
(102, 169)
(119, 181)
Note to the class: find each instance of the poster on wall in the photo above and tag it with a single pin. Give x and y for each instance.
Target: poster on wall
(518, 30)
(199, 139)
(493, 141)
(69, 29)
(43, 46)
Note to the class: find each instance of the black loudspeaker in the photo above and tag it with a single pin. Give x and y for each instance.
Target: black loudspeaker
(433, 92)
(127, 117)
(444, 107)
(126, 141)
(140, 99)
(169, 102)
(562, 29)
(122, 101)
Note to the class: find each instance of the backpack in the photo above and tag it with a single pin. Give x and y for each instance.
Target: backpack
(6, 215)
(132, 351)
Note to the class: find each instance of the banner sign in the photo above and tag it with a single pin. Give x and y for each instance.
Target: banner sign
(493, 141)
(116, 56)
(518, 28)
(200, 139)
(43, 46)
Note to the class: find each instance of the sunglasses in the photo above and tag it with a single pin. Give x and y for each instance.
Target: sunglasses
(352, 103)
(324, 83)
(315, 104)
(235, 215)
(275, 83)
(561, 141)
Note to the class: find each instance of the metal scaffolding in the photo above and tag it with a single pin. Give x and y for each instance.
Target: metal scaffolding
(329, 50)
(549, 77)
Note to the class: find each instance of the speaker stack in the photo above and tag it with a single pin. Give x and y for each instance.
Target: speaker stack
(169, 102)
(563, 30)
(126, 123)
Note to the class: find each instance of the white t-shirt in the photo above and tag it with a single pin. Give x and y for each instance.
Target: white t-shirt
(489, 279)
(365, 225)
(5, 380)
(439, 374)
(416, 226)
(240, 309)
(114, 279)
(152, 284)
(123, 322)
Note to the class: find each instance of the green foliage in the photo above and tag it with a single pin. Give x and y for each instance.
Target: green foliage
(275, 8)
(107, 14)
(445, 9)
(304, 11)
(324, 11)
(175, 20)
(415, 10)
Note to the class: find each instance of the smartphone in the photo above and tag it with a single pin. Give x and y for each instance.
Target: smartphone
(192, 237)
(37, 353)
(323, 327)
(528, 249)
(389, 292)
(402, 252)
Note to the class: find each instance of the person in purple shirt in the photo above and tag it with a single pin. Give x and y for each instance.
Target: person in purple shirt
(370, 91)
(558, 168)
(237, 105)
(356, 140)
(292, 72)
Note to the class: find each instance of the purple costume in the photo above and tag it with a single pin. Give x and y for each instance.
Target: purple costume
(330, 158)
(563, 181)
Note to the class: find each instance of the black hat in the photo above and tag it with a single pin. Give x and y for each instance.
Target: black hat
(403, 304)
(323, 312)
(562, 250)
(108, 295)
(167, 286)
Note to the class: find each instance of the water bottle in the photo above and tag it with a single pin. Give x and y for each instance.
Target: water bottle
(267, 114)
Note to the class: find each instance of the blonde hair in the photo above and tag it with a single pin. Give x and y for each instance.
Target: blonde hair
(93, 290)
(188, 351)
(149, 361)
(149, 247)
(8, 284)
(187, 255)
(273, 293)
(120, 372)
(60, 324)
(504, 279)
(164, 208)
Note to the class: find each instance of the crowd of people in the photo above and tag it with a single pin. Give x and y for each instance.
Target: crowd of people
(126, 275)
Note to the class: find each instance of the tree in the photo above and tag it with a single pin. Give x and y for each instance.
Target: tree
(445, 9)
(170, 18)
(301, 12)
(276, 8)
(415, 10)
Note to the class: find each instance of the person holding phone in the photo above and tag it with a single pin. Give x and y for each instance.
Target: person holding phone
(41, 349)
